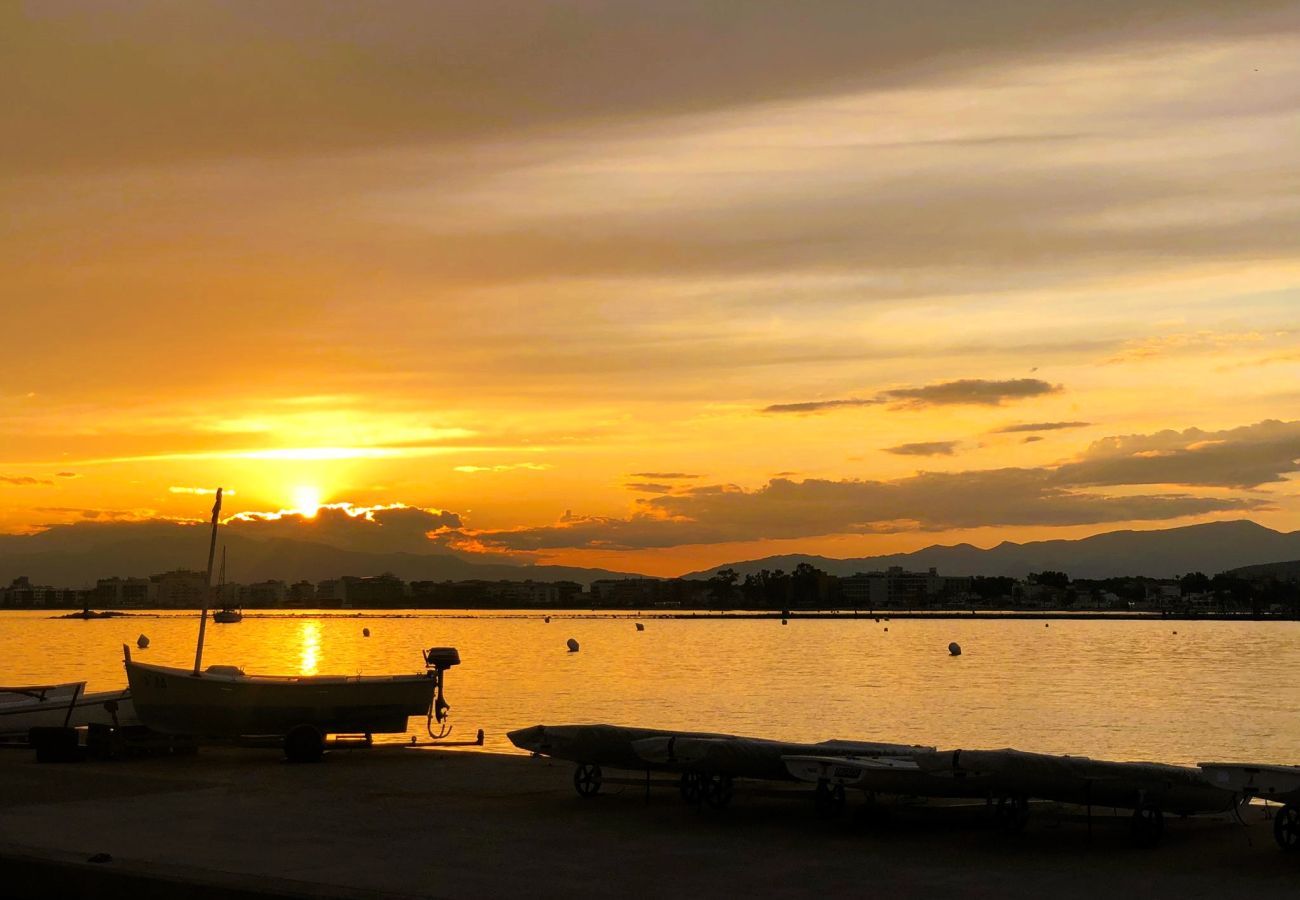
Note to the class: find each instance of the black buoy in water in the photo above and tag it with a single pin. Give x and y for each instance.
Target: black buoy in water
(142, 641)
(954, 649)
(572, 645)
(640, 627)
(547, 620)
(365, 632)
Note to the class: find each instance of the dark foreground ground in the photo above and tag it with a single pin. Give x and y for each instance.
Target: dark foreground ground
(394, 822)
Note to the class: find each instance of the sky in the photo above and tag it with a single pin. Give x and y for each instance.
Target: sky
(651, 286)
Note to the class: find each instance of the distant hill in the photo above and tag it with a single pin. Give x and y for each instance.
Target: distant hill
(1285, 571)
(78, 556)
(1209, 548)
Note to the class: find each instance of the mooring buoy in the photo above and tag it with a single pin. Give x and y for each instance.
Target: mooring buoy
(954, 649)
(572, 645)
(365, 632)
(142, 641)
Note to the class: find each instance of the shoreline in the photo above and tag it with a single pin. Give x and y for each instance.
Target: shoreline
(389, 821)
(677, 615)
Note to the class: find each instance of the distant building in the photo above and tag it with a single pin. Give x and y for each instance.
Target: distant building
(899, 589)
(265, 594)
(117, 592)
(302, 593)
(385, 591)
(181, 589)
(22, 593)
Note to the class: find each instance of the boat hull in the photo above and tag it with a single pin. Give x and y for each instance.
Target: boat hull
(176, 701)
(1080, 780)
(1268, 781)
(750, 757)
(63, 705)
(885, 776)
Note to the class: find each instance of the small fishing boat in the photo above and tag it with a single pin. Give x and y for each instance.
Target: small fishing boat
(65, 705)
(225, 702)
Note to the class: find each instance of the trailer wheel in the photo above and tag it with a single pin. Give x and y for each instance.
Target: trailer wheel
(1013, 813)
(828, 799)
(587, 779)
(1148, 825)
(304, 744)
(1286, 828)
(691, 787)
(718, 790)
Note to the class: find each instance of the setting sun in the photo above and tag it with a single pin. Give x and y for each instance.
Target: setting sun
(306, 500)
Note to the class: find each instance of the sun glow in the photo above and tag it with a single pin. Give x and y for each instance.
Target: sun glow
(306, 500)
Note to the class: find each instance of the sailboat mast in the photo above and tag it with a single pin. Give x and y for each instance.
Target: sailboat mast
(212, 552)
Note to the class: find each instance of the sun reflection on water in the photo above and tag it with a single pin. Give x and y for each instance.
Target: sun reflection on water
(310, 636)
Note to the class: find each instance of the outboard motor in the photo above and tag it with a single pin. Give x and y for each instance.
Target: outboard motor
(438, 660)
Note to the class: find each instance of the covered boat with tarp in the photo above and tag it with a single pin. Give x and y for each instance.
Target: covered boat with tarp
(1149, 789)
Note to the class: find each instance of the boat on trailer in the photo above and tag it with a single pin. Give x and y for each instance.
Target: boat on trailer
(707, 763)
(226, 702)
(65, 705)
(1280, 784)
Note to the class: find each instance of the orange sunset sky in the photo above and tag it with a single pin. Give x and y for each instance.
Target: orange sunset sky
(652, 285)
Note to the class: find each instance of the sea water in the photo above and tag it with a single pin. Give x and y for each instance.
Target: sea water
(1166, 691)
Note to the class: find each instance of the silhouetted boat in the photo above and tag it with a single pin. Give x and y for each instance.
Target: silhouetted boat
(225, 702)
(64, 705)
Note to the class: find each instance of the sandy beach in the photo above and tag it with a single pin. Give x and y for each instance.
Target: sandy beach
(400, 822)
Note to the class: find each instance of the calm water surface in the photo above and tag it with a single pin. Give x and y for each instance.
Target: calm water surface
(1120, 690)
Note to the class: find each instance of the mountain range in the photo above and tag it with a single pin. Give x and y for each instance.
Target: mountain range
(75, 556)
(1210, 548)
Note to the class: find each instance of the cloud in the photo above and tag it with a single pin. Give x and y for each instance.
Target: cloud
(141, 83)
(924, 448)
(784, 509)
(934, 501)
(812, 406)
(67, 475)
(648, 487)
(225, 492)
(977, 391)
(116, 515)
(381, 529)
(23, 480)
(964, 391)
(1032, 439)
(663, 476)
(531, 467)
(1039, 426)
(1244, 457)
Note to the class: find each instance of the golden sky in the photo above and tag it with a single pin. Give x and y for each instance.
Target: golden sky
(652, 285)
